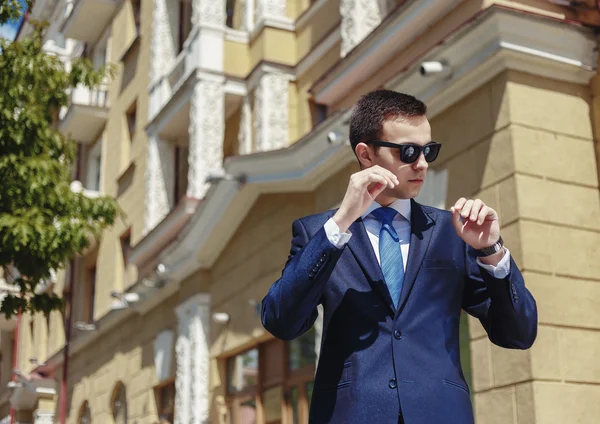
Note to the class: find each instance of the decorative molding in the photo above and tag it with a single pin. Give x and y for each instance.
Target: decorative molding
(498, 41)
(264, 9)
(43, 417)
(163, 354)
(160, 181)
(245, 131)
(317, 53)
(237, 36)
(271, 112)
(398, 32)
(162, 50)
(206, 132)
(359, 19)
(192, 349)
(300, 167)
(208, 13)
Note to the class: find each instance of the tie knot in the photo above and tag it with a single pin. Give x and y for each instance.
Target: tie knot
(385, 215)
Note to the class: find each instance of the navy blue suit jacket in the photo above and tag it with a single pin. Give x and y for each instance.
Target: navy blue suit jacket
(377, 362)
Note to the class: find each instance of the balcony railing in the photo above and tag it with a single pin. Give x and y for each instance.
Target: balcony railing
(183, 66)
(86, 116)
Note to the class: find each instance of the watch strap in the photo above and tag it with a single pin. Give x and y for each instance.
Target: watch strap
(487, 251)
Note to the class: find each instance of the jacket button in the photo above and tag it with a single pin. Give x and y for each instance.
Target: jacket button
(393, 384)
(397, 335)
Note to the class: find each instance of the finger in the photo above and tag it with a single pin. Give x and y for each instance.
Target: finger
(385, 173)
(466, 209)
(457, 221)
(376, 189)
(460, 203)
(373, 179)
(483, 213)
(477, 205)
(390, 178)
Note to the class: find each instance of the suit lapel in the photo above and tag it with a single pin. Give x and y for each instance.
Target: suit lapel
(362, 249)
(421, 228)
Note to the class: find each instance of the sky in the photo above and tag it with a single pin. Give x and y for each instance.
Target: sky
(9, 30)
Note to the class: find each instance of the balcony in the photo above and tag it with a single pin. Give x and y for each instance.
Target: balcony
(86, 116)
(88, 18)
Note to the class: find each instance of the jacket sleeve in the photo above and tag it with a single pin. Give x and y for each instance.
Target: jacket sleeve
(290, 307)
(505, 307)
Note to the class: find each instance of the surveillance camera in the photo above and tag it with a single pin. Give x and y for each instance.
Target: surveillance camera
(161, 269)
(332, 137)
(434, 68)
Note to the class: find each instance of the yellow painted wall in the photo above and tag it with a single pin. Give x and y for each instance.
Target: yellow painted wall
(273, 45)
(236, 60)
(318, 28)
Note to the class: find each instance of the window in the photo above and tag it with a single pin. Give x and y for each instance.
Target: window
(185, 22)
(181, 172)
(229, 11)
(125, 251)
(119, 404)
(136, 7)
(165, 401)
(275, 376)
(131, 115)
(90, 295)
(85, 417)
(94, 167)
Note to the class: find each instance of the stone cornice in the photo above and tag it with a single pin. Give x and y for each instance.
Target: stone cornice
(397, 32)
(498, 40)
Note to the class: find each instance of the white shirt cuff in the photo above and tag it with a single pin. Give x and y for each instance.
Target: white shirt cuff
(334, 236)
(501, 270)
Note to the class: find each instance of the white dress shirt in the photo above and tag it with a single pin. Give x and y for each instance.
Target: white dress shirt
(401, 224)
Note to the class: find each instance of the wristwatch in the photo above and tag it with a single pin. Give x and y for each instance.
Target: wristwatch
(494, 248)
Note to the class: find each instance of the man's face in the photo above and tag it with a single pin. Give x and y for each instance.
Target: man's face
(411, 176)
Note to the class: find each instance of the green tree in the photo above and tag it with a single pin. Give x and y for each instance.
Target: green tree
(43, 223)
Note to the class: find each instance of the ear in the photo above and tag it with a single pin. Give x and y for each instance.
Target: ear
(365, 155)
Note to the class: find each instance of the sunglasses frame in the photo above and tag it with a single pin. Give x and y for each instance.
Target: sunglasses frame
(404, 146)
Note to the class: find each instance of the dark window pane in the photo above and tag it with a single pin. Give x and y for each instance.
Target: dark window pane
(242, 371)
(302, 351)
(294, 404)
(309, 392)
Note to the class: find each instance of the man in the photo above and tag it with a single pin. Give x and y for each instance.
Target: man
(392, 276)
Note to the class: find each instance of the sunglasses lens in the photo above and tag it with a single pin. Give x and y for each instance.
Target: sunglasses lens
(409, 154)
(431, 152)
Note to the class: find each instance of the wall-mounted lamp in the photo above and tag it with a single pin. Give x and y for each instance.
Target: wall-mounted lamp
(14, 385)
(336, 137)
(439, 68)
(124, 300)
(221, 317)
(84, 326)
(221, 175)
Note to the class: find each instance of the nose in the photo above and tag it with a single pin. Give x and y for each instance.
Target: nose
(421, 164)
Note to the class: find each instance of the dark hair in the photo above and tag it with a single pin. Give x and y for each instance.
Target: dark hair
(374, 108)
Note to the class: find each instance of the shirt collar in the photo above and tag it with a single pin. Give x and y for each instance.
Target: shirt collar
(402, 206)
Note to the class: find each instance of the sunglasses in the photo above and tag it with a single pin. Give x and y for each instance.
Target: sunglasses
(410, 152)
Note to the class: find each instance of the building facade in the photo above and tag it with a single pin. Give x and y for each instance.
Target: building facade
(228, 119)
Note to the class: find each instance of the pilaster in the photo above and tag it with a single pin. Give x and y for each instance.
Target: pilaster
(359, 18)
(271, 112)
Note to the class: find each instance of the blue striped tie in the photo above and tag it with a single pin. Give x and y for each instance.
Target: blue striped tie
(390, 253)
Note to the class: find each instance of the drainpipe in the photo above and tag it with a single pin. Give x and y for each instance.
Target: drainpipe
(14, 361)
(65, 368)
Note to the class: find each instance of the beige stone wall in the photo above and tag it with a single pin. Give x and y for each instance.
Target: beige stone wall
(124, 354)
(524, 145)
